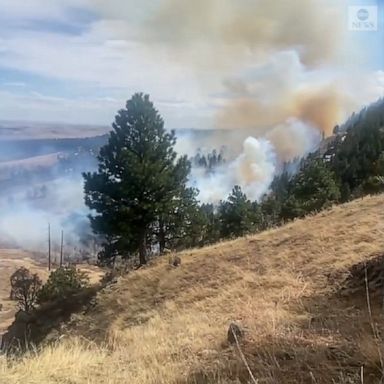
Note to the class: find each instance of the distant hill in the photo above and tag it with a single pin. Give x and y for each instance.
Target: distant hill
(26, 148)
(18, 130)
(20, 140)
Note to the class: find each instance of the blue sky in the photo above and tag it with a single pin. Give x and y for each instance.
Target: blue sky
(77, 61)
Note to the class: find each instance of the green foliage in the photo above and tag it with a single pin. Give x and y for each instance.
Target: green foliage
(238, 215)
(374, 185)
(357, 154)
(380, 165)
(312, 189)
(210, 227)
(24, 288)
(270, 208)
(62, 283)
(179, 226)
(141, 201)
(139, 180)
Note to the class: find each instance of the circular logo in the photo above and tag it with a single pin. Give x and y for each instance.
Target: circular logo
(362, 14)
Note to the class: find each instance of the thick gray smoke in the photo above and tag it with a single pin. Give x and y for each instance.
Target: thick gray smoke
(260, 159)
(274, 72)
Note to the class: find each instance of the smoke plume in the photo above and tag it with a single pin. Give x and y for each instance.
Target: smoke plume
(274, 73)
(25, 216)
(228, 31)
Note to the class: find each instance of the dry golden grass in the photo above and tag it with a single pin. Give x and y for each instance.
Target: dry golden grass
(169, 325)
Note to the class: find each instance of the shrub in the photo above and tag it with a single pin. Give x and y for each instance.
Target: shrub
(25, 288)
(374, 185)
(62, 283)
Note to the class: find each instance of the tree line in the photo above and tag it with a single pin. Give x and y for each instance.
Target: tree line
(141, 202)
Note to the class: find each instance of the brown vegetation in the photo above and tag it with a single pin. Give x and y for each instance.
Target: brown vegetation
(292, 290)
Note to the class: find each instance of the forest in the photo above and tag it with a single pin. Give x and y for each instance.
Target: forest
(142, 203)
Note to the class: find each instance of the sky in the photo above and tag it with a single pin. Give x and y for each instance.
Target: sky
(77, 61)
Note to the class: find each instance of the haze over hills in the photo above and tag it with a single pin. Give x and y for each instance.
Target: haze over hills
(41, 177)
(19, 140)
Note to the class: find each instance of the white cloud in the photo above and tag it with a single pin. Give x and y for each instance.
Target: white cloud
(96, 61)
(34, 106)
(37, 107)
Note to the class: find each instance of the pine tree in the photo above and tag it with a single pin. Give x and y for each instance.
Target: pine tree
(312, 189)
(180, 223)
(236, 215)
(270, 207)
(210, 224)
(139, 175)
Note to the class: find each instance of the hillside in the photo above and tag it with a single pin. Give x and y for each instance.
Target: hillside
(10, 261)
(298, 291)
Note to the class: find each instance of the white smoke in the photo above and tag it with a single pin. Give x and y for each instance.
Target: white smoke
(24, 220)
(260, 160)
(278, 74)
(293, 139)
(255, 167)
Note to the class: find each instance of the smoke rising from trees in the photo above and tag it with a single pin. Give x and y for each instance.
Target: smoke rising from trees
(274, 71)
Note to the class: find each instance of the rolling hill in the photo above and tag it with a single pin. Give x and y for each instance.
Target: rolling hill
(308, 297)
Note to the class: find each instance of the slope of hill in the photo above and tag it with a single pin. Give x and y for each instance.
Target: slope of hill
(10, 261)
(298, 291)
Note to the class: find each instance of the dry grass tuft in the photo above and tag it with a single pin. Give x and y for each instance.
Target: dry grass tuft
(287, 287)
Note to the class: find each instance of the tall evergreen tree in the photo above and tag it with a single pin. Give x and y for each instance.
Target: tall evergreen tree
(180, 223)
(139, 176)
(270, 207)
(355, 153)
(236, 215)
(312, 189)
(210, 224)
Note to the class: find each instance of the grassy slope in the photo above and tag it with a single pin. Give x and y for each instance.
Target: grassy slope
(169, 325)
(10, 261)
